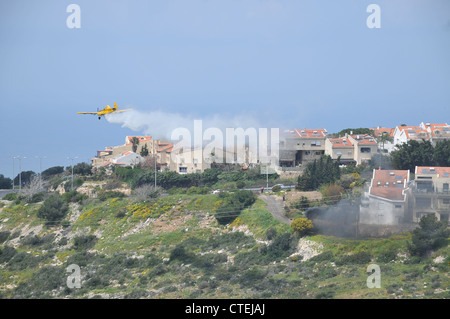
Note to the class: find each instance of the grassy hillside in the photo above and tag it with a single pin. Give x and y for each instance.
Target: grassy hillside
(173, 247)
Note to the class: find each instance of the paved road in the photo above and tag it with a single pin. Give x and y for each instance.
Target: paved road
(275, 207)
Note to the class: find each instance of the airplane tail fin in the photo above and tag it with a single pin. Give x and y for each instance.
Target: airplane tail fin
(115, 105)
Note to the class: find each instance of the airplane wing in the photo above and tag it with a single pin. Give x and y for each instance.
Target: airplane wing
(93, 113)
(120, 111)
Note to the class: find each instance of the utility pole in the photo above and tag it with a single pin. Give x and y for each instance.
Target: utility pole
(155, 157)
(20, 171)
(14, 159)
(40, 169)
(72, 158)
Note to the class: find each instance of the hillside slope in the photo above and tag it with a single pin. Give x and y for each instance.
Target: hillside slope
(173, 247)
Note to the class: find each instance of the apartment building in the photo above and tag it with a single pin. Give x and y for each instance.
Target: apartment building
(115, 154)
(437, 132)
(342, 148)
(301, 146)
(356, 149)
(197, 159)
(385, 203)
(403, 134)
(430, 192)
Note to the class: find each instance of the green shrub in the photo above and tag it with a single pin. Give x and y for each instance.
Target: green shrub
(198, 190)
(84, 242)
(240, 184)
(53, 209)
(76, 183)
(73, 197)
(387, 256)
(36, 198)
(276, 188)
(6, 254)
(104, 195)
(281, 246)
(4, 236)
(180, 253)
(233, 204)
(10, 196)
(271, 233)
(355, 259)
(430, 235)
(34, 241)
(325, 256)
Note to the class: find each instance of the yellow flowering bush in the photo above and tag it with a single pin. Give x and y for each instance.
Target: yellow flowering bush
(150, 210)
(302, 226)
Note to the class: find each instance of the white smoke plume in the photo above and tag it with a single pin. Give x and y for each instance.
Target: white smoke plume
(161, 124)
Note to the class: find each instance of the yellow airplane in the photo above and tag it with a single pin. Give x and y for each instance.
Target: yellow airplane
(107, 110)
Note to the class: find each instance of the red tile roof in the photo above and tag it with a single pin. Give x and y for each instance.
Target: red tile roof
(142, 139)
(440, 131)
(340, 142)
(402, 128)
(383, 130)
(432, 170)
(389, 184)
(305, 133)
(364, 139)
(166, 147)
(417, 134)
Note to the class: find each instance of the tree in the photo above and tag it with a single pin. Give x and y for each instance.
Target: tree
(355, 131)
(55, 170)
(411, 154)
(442, 153)
(144, 151)
(33, 187)
(430, 235)
(317, 173)
(25, 177)
(135, 141)
(82, 169)
(5, 182)
(385, 138)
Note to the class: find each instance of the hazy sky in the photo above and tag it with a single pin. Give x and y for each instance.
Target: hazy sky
(285, 63)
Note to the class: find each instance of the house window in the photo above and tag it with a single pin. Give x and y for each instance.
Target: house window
(182, 169)
(398, 206)
(446, 201)
(319, 153)
(338, 153)
(307, 152)
(365, 150)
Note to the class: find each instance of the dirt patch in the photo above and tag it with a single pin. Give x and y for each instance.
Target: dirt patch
(167, 224)
(294, 196)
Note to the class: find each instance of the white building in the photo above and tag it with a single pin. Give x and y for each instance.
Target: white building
(386, 201)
